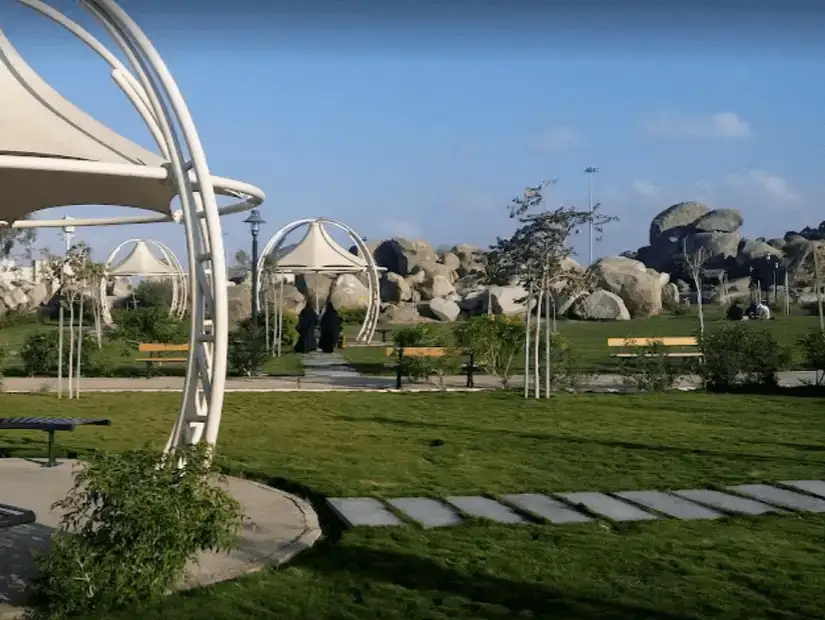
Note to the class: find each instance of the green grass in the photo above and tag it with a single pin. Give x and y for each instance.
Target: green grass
(589, 339)
(385, 445)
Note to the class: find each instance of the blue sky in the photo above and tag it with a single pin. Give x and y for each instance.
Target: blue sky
(427, 131)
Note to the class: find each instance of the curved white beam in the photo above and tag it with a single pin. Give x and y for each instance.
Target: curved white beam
(367, 330)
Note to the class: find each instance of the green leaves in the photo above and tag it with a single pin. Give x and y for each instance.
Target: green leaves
(132, 522)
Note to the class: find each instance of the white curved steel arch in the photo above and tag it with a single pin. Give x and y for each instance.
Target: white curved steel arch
(158, 100)
(179, 293)
(367, 330)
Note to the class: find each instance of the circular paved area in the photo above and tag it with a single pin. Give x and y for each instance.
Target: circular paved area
(277, 526)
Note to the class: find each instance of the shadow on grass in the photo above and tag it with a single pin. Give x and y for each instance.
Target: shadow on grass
(482, 590)
(628, 445)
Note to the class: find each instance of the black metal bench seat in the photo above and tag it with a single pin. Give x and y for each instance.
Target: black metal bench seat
(50, 425)
(10, 516)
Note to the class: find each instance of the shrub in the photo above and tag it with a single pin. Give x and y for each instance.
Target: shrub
(352, 316)
(132, 522)
(422, 368)
(651, 370)
(247, 348)
(495, 341)
(4, 358)
(740, 354)
(153, 294)
(150, 325)
(813, 353)
(564, 363)
(40, 352)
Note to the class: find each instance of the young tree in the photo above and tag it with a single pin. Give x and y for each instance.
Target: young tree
(536, 256)
(694, 261)
(16, 238)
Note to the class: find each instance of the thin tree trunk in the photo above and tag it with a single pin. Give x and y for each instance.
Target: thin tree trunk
(79, 350)
(697, 281)
(547, 333)
(71, 344)
(537, 344)
(527, 344)
(818, 280)
(60, 321)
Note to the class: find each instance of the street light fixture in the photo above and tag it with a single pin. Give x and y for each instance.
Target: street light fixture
(590, 170)
(254, 221)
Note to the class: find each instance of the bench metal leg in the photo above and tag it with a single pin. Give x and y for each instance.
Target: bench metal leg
(51, 460)
(470, 379)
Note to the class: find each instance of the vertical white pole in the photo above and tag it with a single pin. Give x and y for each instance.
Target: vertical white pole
(71, 344)
(79, 349)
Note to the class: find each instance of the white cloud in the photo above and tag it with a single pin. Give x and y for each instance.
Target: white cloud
(764, 182)
(723, 125)
(645, 188)
(559, 138)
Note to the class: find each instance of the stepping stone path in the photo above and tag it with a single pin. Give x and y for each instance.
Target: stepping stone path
(326, 365)
(568, 508)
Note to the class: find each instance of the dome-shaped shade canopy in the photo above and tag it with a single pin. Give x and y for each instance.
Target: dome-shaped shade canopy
(141, 262)
(38, 123)
(318, 252)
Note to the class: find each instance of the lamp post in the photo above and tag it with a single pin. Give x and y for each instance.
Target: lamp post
(590, 172)
(68, 232)
(254, 220)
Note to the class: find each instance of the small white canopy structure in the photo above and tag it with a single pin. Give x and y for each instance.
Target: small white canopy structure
(318, 252)
(141, 263)
(52, 154)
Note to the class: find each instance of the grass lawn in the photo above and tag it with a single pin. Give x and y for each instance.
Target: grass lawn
(384, 445)
(589, 339)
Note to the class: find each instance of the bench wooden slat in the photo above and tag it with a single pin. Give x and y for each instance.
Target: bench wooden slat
(676, 354)
(679, 341)
(50, 424)
(418, 351)
(156, 347)
(162, 359)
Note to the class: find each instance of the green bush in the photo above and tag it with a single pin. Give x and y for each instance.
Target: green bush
(352, 316)
(39, 352)
(150, 325)
(564, 363)
(652, 370)
(4, 359)
(247, 348)
(740, 354)
(153, 294)
(494, 341)
(813, 353)
(422, 368)
(132, 522)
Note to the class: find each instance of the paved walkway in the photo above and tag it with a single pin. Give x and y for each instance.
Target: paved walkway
(566, 508)
(277, 526)
(327, 380)
(320, 365)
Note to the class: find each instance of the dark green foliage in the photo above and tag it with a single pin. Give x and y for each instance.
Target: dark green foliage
(812, 345)
(153, 294)
(132, 521)
(150, 325)
(738, 355)
(39, 352)
(247, 348)
(652, 370)
(495, 341)
(352, 316)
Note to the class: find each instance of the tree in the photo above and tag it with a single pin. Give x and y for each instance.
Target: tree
(242, 259)
(536, 256)
(694, 262)
(11, 238)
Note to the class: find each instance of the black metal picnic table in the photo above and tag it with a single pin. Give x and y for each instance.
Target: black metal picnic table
(50, 425)
(10, 516)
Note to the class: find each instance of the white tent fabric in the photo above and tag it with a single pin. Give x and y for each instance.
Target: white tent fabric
(317, 252)
(141, 262)
(36, 121)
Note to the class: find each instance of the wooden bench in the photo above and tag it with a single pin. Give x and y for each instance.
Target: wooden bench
(680, 341)
(401, 352)
(11, 516)
(49, 425)
(159, 354)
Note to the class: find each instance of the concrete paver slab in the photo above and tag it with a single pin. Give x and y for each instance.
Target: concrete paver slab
(608, 507)
(781, 497)
(545, 508)
(814, 487)
(725, 502)
(358, 511)
(485, 508)
(670, 505)
(426, 512)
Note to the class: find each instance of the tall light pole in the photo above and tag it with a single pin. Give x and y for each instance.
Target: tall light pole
(254, 220)
(68, 232)
(590, 172)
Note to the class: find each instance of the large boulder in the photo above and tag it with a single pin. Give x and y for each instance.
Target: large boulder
(432, 268)
(507, 300)
(676, 221)
(349, 292)
(239, 302)
(601, 306)
(435, 286)
(640, 290)
(444, 309)
(400, 255)
(394, 288)
(400, 314)
(720, 220)
(714, 245)
(451, 261)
